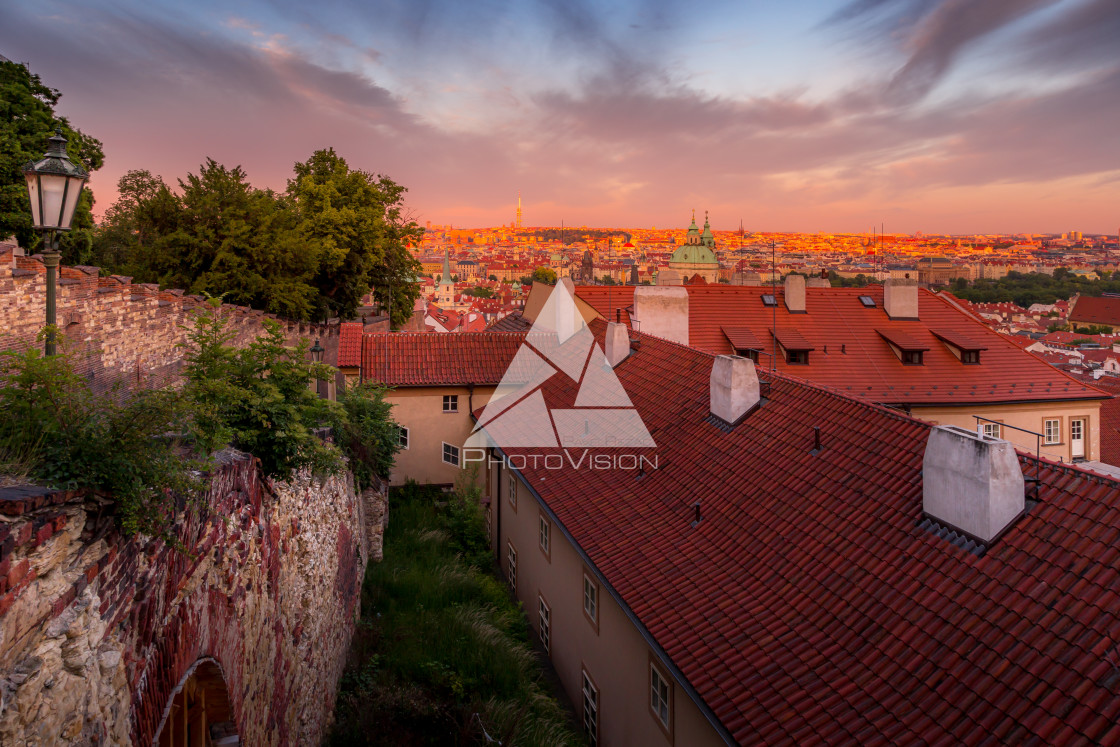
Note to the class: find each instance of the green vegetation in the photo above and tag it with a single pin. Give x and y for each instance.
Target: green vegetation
(859, 281)
(441, 655)
(544, 275)
(479, 292)
(27, 119)
(1026, 289)
(146, 449)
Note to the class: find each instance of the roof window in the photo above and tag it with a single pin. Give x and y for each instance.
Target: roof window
(867, 301)
(769, 299)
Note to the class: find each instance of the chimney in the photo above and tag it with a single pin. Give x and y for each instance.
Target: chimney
(795, 293)
(734, 388)
(971, 482)
(617, 343)
(662, 311)
(900, 298)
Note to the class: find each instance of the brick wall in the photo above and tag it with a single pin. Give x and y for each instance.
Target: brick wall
(118, 330)
(96, 631)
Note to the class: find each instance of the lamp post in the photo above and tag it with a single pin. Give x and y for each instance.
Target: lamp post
(54, 185)
(317, 357)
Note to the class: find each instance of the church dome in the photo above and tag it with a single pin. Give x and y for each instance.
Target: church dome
(694, 254)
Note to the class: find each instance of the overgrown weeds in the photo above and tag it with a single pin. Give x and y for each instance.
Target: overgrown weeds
(441, 656)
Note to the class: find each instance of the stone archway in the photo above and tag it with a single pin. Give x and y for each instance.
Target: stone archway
(198, 713)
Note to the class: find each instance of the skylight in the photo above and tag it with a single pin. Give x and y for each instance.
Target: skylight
(867, 301)
(768, 299)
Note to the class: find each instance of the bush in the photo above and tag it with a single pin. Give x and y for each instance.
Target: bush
(366, 433)
(258, 398)
(121, 446)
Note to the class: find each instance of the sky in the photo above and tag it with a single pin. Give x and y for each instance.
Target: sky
(940, 116)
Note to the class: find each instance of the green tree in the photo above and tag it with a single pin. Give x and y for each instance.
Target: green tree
(366, 432)
(353, 223)
(480, 292)
(544, 275)
(146, 210)
(27, 119)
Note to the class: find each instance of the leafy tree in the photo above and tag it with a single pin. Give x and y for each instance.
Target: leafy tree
(480, 292)
(353, 223)
(607, 280)
(366, 432)
(544, 275)
(493, 278)
(145, 211)
(27, 119)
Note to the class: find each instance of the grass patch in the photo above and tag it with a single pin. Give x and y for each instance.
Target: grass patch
(441, 655)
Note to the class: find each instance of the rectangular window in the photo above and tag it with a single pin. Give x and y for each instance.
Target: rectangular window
(992, 430)
(797, 357)
(513, 490)
(544, 623)
(590, 710)
(511, 566)
(1052, 431)
(451, 403)
(590, 599)
(402, 437)
(972, 357)
(451, 454)
(912, 357)
(659, 691)
(749, 353)
(545, 534)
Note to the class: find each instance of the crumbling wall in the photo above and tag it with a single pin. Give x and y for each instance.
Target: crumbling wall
(97, 631)
(120, 331)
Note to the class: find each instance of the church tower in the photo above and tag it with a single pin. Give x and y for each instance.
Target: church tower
(519, 208)
(445, 294)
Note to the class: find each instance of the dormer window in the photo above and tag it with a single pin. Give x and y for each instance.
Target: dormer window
(797, 357)
(743, 342)
(795, 348)
(908, 349)
(964, 347)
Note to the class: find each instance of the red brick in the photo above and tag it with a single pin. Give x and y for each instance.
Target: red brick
(18, 573)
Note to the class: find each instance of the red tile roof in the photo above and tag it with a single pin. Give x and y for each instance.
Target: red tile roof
(858, 360)
(453, 358)
(742, 338)
(1096, 310)
(809, 604)
(350, 344)
(903, 340)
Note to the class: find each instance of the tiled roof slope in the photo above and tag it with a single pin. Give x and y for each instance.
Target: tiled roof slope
(808, 605)
(424, 359)
(513, 322)
(350, 344)
(850, 354)
(1096, 310)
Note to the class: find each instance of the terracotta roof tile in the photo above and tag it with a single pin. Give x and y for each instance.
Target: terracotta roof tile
(350, 344)
(808, 604)
(1096, 310)
(434, 359)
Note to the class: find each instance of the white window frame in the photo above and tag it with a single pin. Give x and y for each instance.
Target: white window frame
(512, 495)
(451, 403)
(451, 450)
(511, 566)
(993, 430)
(1052, 431)
(590, 598)
(544, 534)
(590, 700)
(544, 623)
(402, 437)
(660, 697)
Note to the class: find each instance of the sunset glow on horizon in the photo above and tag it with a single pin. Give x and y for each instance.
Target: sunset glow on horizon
(949, 116)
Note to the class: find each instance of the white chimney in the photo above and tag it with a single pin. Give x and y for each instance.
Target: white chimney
(795, 293)
(662, 311)
(971, 482)
(734, 388)
(900, 298)
(617, 343)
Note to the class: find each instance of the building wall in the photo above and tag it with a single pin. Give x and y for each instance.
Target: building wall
(420, 410)
(98, 630)
(1029, 416)
(613, 652)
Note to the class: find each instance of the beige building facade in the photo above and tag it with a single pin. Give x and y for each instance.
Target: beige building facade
(435, 422)
(621, 684)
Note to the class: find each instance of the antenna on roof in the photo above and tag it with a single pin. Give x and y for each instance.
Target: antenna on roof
(738, 265)
(774, 308)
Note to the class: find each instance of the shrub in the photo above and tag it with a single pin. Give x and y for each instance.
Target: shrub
(366, 433)
(122, 445)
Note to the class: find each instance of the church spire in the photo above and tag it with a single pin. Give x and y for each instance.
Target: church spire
(446, 278)
(519, 208)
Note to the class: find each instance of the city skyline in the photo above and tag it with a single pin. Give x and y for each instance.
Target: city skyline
(946, 118)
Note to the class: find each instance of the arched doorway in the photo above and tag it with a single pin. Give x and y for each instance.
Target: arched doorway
(199, 714)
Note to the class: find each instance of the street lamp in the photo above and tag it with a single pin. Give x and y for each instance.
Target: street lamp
(317, 352)
(54, 185)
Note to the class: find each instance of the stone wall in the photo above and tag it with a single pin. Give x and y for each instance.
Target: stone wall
(117, 330)
(97, 631)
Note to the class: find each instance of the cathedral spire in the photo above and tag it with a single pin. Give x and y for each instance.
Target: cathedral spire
(519, 208)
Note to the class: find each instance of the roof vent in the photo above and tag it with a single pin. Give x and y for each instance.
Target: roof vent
(900, 298)
(734, 389)
(617, 343)
(795, 293)
(972, 483)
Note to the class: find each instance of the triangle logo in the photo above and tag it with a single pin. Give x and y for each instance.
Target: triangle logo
(560, 344)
